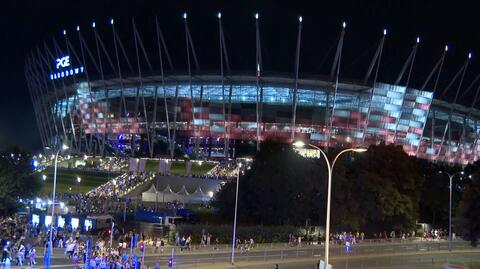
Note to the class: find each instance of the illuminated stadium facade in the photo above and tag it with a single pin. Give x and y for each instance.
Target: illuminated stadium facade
(131, 109)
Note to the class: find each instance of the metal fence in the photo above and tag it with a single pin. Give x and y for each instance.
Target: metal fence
(387, 255)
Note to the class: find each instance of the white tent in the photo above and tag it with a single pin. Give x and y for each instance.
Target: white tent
(198, 196)
(150, 194)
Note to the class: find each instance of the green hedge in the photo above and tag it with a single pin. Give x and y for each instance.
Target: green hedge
(261, 234)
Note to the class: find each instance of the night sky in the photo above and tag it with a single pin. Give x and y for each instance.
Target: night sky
(25, 24)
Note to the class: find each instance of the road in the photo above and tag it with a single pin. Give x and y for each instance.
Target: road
(365, 255)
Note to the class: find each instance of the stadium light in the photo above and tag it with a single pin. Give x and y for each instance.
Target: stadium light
(344, 24)
(384, 31)
(93, 24)
(418, 39)
(64, 32)
(446, 47)
(78, 28)
(219, 15)
(300, 19)
(185, 15)
(111, 21)
(256, 16)
(469, 55)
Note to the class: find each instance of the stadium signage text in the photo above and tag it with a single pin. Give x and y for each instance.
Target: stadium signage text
(63, 62)
(62, 72)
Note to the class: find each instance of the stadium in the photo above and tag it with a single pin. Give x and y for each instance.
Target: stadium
(120, 99)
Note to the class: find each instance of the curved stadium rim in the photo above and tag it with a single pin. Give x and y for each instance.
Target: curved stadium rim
(400, 105)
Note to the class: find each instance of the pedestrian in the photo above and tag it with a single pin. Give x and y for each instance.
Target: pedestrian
(5, 254)
(20, 255)
(32, 257)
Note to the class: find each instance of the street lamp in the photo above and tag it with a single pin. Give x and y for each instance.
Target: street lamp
(78, 184)
(300, 144)
(50, 243)
(450, 177)
(235, 214)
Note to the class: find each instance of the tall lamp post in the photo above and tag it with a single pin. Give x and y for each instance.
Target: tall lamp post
(301, 144)
(450, 177)
(50, 243)
(79, 179)
(235, 214)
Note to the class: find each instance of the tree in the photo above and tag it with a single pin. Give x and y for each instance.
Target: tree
(468, 220)
(387, 182)
(16, 180)
(374, 191)
(281, 187)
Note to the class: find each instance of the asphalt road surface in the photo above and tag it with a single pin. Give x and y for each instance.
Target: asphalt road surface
(368, 255)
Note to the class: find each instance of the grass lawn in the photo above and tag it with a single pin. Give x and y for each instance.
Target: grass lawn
(67, 179)
(179, 168)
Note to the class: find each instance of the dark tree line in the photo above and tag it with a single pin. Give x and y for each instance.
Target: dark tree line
(379, 190)
(16, 180)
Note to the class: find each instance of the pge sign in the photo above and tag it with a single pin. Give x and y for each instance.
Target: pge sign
(63, 62)
(65, 69)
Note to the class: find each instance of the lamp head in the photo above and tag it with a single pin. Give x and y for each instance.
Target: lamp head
(359, 150)
(299, 144)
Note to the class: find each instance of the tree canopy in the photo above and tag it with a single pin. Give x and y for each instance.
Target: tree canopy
(16, 180)
(373, 191)
(468, 220)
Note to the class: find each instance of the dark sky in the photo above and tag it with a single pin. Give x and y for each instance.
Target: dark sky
(25, 24)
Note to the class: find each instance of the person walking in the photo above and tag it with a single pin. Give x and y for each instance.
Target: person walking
(20, 255)
(32, 255)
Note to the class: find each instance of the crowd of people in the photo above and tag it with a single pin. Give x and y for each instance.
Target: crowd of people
(121, 185)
